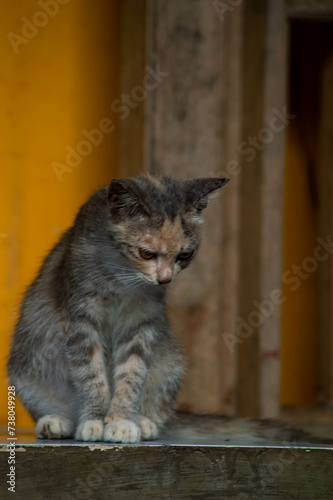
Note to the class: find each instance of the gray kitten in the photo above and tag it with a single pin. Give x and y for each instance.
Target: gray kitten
(93, 356)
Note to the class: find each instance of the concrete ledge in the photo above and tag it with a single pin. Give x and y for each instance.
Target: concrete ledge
(196, 458)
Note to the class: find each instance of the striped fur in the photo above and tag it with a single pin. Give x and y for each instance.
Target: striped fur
(93, 356)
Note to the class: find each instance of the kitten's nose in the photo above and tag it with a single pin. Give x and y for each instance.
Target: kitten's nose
(164, 281)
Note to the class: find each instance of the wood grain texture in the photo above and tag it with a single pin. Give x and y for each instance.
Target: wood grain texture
(184, 137)
(254, 43)
(229, 268)
(132, 72)
(325, 269)
(272, 198)
(170, 472)
(195, 457)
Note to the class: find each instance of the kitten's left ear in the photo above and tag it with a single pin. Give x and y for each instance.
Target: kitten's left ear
(125, 198)
(198, 190)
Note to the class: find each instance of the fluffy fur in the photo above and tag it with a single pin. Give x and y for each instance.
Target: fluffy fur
(93, 356)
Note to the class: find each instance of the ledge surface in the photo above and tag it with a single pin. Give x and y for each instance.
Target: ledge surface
(195, 458)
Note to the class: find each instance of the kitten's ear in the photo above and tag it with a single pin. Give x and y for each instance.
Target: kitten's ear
(199, 190)
(125, 199)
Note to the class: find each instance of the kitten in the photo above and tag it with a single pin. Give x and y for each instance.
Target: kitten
(93, 356)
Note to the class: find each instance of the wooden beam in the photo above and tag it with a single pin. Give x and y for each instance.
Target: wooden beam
(229, 266)
(253, 72)
(231, 459)
(325, 267)
(184, 137)
(272, 197)
(132, 72)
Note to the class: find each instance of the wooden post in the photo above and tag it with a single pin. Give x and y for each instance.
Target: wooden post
(184, 137)
(272, 190)
(132, 73)
(229, 267)
(325, 268)
(254, 43)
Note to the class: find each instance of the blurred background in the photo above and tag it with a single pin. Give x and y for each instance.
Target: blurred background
(197, 88)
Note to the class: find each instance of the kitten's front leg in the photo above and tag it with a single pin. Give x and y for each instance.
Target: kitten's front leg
(86, 362)
(131, 360)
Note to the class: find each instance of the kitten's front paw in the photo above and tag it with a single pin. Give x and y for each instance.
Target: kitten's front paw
(148, 428)
(122, 431)
(90, 430)
(54, 427)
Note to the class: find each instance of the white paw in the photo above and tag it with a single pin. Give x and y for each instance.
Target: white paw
(122, 431)
(148, 428)
(90, 430)
(54, 427)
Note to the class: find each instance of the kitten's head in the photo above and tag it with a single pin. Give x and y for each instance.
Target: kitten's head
(156, 222)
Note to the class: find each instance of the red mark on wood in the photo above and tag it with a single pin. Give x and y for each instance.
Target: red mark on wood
(275, 354)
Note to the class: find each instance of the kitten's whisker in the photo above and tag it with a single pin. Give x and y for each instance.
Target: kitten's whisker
(130, 280)
(124, 268)
(124, 276)
(134, 276)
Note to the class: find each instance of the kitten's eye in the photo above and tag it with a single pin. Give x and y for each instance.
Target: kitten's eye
(185, 255)
(146, 254)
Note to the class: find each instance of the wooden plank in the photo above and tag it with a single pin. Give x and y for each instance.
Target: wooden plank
(195, 457)
(132, 72)
(272, 197)
(170, 472)
(229, 269)
(254, 43)
(325, 268)
(184, 137)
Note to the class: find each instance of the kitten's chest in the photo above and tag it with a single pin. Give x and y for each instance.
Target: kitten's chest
(126, 310)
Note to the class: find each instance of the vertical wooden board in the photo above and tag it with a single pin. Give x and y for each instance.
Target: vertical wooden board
(272, 136)
(229, 269)
(253, 58)
(184, 133)
(325, 269)
(132, 77)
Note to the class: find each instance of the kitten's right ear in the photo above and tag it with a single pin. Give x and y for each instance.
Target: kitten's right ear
(199, 191)
(124, 198)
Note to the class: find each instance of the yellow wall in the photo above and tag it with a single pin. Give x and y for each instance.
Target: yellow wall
(56, 80)
(298, 362)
